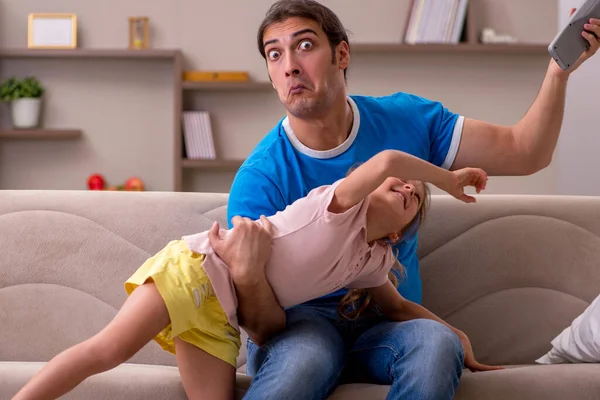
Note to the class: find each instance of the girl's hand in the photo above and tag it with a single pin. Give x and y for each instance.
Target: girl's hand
(470, 361)
(475, 177)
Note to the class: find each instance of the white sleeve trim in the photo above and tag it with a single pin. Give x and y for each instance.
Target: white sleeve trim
(456, 136)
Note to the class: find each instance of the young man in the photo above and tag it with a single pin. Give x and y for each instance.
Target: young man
(304, 350)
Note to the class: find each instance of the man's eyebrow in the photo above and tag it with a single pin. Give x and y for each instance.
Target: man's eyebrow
(295, 34)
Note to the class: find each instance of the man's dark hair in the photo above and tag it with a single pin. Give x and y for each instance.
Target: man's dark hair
(309, 9)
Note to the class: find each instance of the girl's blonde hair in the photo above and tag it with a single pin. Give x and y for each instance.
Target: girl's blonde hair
(356, 301)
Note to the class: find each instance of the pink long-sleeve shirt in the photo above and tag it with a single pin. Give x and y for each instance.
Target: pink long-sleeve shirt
(314, 252)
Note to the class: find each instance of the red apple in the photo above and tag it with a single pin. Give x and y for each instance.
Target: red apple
(134, 184)
(95, 182)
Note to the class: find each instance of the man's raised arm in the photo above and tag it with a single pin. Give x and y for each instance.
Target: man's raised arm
(528, 146)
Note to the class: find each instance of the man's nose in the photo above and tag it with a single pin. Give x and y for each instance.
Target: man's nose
(291, 66)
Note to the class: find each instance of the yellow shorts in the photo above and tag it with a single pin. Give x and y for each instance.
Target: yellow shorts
(195, 313)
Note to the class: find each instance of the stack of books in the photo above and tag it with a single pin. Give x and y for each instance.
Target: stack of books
(197, 135)
(436, 21)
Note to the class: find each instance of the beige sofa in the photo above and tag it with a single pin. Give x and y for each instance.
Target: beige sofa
(511, 271)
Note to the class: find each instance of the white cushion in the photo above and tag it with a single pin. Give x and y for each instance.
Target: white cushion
(579, 342)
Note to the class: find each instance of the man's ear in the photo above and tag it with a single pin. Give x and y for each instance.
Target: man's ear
(343, 55)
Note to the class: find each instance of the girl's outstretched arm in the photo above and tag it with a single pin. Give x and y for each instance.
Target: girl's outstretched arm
(399, 309)
(393, 163)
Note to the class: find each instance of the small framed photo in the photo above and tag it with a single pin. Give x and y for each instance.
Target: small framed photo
(52, 31)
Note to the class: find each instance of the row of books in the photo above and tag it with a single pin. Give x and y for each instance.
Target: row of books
(198, 135)
(436, 21)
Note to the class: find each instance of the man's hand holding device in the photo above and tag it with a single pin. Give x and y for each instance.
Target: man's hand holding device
(579, 39)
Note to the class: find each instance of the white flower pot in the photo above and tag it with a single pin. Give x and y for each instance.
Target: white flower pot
(26, 112)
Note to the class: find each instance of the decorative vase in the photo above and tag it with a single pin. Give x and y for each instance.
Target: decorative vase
(26, 112)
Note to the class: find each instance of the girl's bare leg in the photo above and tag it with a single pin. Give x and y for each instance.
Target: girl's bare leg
(141, 318)
(203, 375)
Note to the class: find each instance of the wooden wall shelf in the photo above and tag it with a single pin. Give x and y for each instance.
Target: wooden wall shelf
(91, 53)
(40, 134)
(521, 49)
(171, 56)
(180, 88)
(228, 86)
(212, 164)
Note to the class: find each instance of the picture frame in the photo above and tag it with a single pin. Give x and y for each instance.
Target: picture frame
(52, 31)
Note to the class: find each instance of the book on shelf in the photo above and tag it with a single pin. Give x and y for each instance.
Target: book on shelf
(216, 76)
(198, 135)
(436, 21)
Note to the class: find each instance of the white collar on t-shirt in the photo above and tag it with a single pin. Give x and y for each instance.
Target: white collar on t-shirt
(325, 153)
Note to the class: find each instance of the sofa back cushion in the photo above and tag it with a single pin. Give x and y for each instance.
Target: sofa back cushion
(65, 256)
(511, 271)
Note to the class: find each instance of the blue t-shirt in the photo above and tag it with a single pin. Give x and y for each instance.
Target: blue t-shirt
(281, 169)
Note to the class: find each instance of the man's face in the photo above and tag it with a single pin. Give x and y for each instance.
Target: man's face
(302, 67)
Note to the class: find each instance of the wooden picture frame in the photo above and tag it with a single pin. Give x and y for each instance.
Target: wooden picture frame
(139, 36)
(52, 31)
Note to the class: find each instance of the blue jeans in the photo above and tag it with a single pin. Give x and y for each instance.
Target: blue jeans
(420, 359)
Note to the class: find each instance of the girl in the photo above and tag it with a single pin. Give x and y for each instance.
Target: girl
(337, 236)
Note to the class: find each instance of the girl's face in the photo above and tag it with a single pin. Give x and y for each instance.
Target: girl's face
(397, 203)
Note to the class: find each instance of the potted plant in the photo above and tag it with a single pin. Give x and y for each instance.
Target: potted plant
(25, 98)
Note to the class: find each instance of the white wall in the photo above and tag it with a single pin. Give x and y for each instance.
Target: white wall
(125, 108)
(579, 144)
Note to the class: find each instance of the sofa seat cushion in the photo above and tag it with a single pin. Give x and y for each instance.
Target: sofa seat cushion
(533, 382)
(148, 382)
(548, 382)
(536, 382)
(127, 381)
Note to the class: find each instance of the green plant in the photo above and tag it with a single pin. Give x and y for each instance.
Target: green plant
(13, 88)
